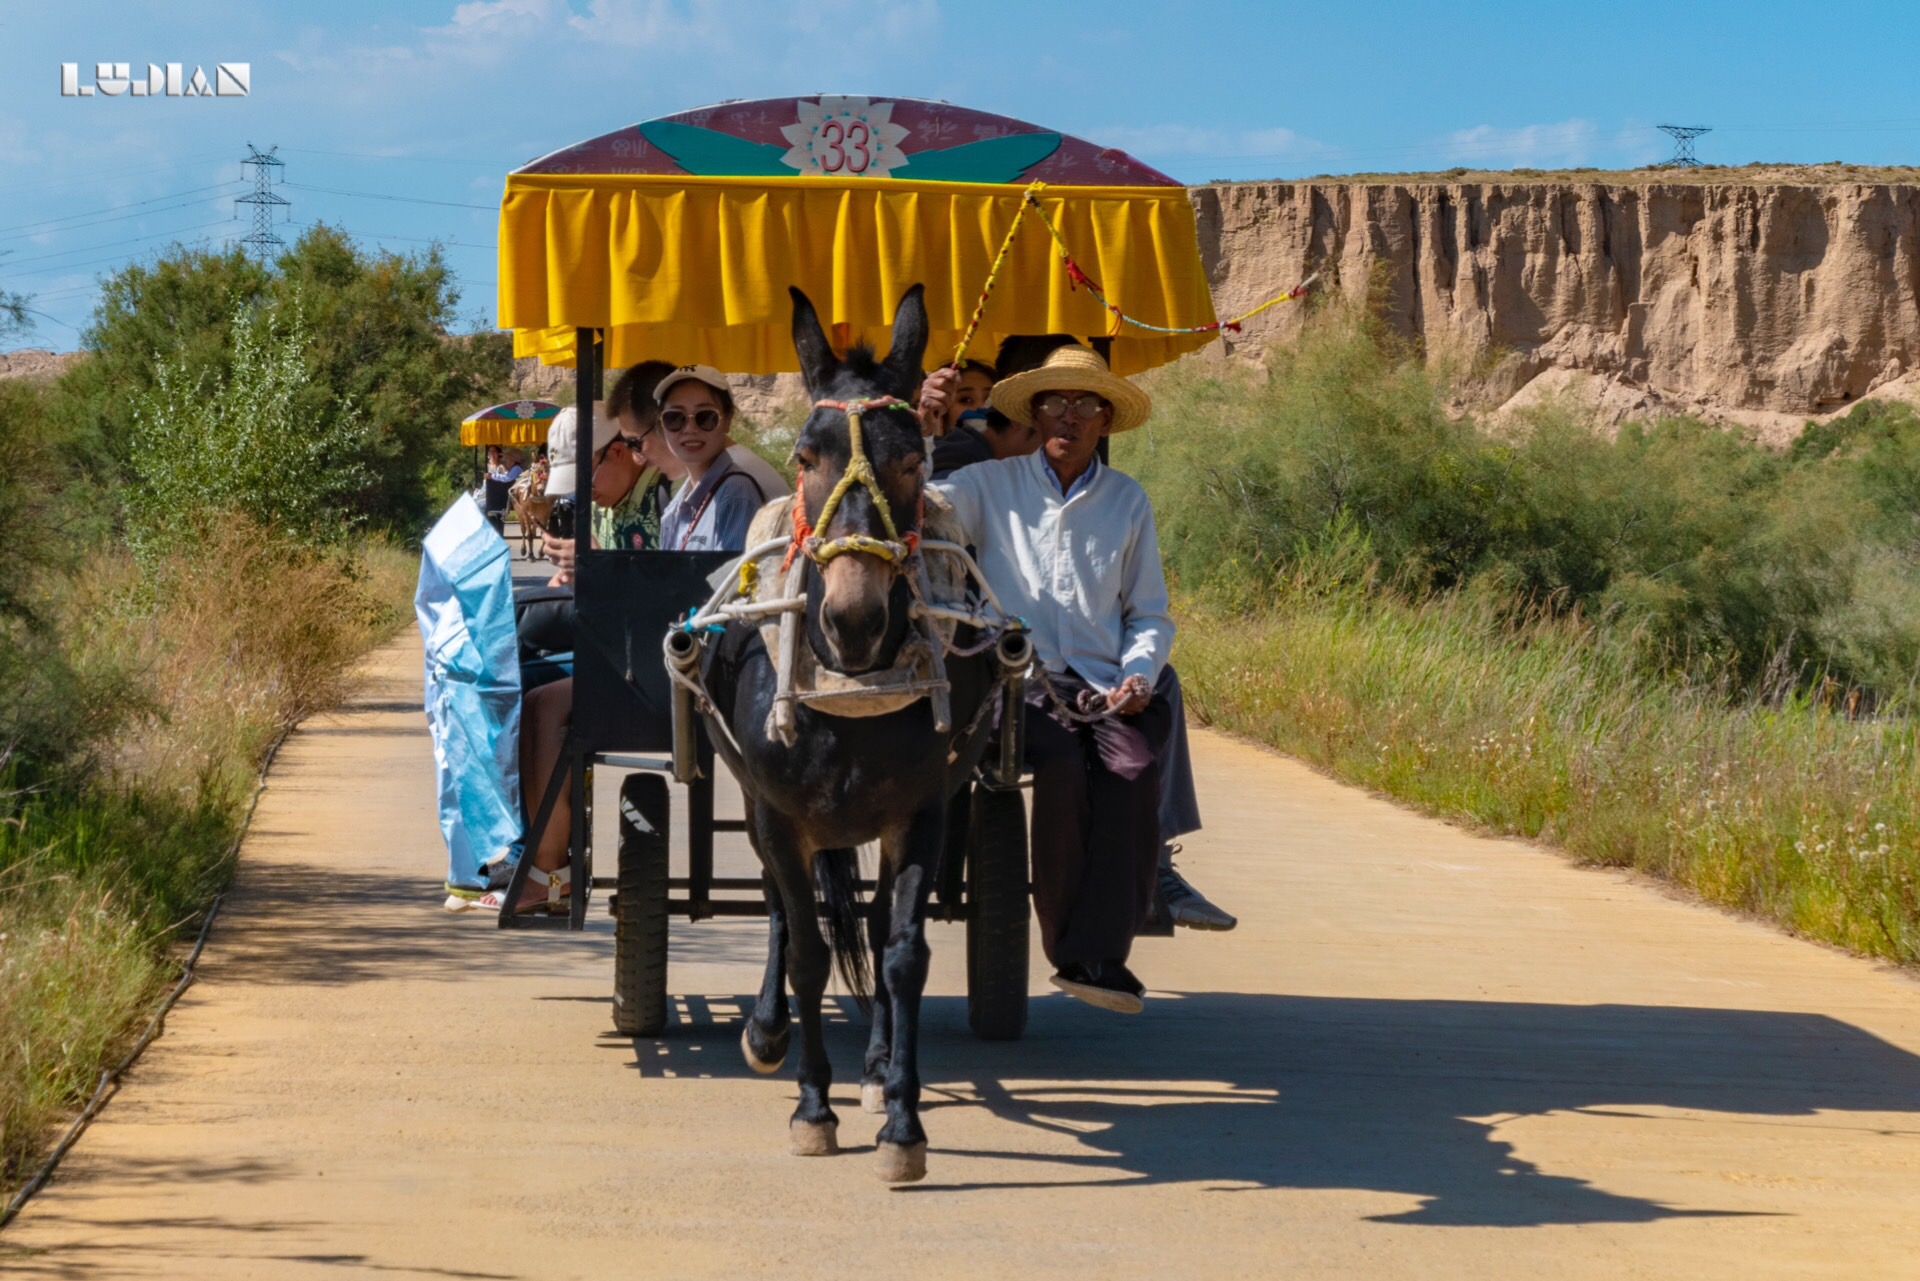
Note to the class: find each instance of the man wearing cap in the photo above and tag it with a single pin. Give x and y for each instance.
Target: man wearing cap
(1068, 544)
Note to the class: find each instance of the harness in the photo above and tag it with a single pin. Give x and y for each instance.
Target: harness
(894, 549)
(743, 594)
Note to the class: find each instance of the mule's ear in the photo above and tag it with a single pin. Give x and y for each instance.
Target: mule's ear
(817, 361)
(909, 340)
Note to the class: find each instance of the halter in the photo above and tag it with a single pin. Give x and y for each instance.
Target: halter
(895, 548)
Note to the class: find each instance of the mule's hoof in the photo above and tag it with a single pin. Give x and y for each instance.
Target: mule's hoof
(763, 1066)
(816, 1138)
(900, 1163)
(873, 1097)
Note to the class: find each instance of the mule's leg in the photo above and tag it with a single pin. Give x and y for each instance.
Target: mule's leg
(902, 1153)
(814, 1126)
(880, 1045)
(767, 1031)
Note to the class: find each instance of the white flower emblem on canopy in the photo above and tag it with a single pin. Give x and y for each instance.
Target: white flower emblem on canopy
(844, 135)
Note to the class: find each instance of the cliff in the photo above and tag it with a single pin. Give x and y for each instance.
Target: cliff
(1759, 304)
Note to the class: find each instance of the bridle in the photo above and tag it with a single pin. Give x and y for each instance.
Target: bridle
(896, 547)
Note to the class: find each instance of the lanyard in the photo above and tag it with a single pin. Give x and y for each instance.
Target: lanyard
(694, 524)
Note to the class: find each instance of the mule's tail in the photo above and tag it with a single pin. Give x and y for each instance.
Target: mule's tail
(837, 874)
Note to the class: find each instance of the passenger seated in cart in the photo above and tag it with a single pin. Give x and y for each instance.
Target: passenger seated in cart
(633, 460)
(712, 509)
(974, 432)
(1001, 437)
(1069, 545)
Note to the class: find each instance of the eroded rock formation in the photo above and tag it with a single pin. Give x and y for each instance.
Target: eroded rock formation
(1760, 304)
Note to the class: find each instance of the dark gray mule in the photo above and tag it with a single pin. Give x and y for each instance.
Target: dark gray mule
(846, 781)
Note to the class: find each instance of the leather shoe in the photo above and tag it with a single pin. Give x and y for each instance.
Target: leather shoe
(1107, 984)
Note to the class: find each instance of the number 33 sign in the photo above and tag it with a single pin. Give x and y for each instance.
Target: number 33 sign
(844, 135)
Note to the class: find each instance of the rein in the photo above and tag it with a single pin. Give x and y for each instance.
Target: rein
(894, 548)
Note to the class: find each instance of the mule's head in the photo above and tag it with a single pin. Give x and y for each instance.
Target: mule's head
(856, 617)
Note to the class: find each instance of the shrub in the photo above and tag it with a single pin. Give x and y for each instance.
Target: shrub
(1713, 554)
(213, 448)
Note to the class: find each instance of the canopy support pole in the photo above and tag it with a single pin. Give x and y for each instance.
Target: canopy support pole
(586, 389)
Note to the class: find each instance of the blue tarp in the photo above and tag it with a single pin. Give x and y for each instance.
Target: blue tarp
(465, 608)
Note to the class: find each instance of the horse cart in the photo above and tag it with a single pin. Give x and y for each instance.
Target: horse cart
(678, 240)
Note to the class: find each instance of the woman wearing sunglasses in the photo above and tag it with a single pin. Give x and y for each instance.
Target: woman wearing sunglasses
(714, 505)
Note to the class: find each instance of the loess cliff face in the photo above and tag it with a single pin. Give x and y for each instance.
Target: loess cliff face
(1756, 304)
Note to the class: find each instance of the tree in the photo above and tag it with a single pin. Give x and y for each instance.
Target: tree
(246, 443)
(376, 328)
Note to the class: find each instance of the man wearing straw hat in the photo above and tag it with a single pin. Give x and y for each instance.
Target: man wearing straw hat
(1069, 545)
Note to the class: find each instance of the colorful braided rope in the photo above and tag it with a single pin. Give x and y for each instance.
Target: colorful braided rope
(1081, 279)
(993, 272)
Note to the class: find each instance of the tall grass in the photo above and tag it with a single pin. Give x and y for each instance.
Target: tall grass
(212, 657)
(1551, 729)
(1667, 648)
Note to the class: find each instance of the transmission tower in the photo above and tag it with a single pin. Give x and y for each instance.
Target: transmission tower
(1683, 136)
(266, 172)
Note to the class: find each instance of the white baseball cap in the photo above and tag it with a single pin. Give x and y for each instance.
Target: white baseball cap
(563, 444)
(703, 373)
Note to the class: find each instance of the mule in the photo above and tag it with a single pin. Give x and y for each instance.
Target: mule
(836, 782)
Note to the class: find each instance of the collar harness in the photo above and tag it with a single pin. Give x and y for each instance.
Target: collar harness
(893, 548)
(772, 596)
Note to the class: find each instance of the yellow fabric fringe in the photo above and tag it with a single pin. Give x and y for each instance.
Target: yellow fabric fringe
(695, 270)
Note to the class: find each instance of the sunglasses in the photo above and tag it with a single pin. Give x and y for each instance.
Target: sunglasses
(1086, 407)
(677, 420)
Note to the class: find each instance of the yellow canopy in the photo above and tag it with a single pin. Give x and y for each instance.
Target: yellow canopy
(500, 431)
(687, 267)
(514, 422)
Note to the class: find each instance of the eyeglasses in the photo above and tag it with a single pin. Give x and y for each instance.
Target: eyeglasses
(677, 420)
(623, 441)
(1086, 407)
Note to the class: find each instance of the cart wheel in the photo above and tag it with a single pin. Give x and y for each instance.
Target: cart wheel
(640, 909)
(997, 916)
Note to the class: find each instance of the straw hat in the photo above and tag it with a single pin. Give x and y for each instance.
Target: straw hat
(1073, 368)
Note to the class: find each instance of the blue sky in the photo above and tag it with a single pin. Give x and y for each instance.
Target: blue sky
(431, 100)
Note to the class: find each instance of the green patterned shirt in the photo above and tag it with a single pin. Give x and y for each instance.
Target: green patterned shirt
(633, 524)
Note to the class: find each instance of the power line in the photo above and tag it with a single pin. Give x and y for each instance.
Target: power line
(75, 266)
(168, 167)
(172, 195)
(110, 244)
(411, 200)
(81, 226)
(371, 155)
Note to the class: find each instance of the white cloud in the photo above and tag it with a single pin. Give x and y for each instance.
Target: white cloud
(482, 14)
(1567, 144)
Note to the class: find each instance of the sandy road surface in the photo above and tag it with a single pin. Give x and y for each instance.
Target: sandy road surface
(1424, 1054)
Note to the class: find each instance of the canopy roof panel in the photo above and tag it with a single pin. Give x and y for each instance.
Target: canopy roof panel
(514, 422)
(849, 136)
(678, 238)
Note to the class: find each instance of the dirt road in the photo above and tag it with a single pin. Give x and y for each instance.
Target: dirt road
(1424, 1054)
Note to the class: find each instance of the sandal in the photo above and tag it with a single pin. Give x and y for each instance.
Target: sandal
(558, 902)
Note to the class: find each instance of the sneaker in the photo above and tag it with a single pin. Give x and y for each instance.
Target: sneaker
(1107, 984)
(1188, 906)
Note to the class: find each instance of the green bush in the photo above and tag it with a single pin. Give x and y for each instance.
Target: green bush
(1714, 555)
(377, 340)
(243, 442)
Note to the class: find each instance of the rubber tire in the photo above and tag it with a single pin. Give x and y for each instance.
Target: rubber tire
(640, 915)
(998, 911)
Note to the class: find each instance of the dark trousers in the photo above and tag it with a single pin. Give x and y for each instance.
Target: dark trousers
(1096, 830)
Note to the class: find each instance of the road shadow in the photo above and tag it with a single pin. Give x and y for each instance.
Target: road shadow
(288, 922)
(1246, 1091)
